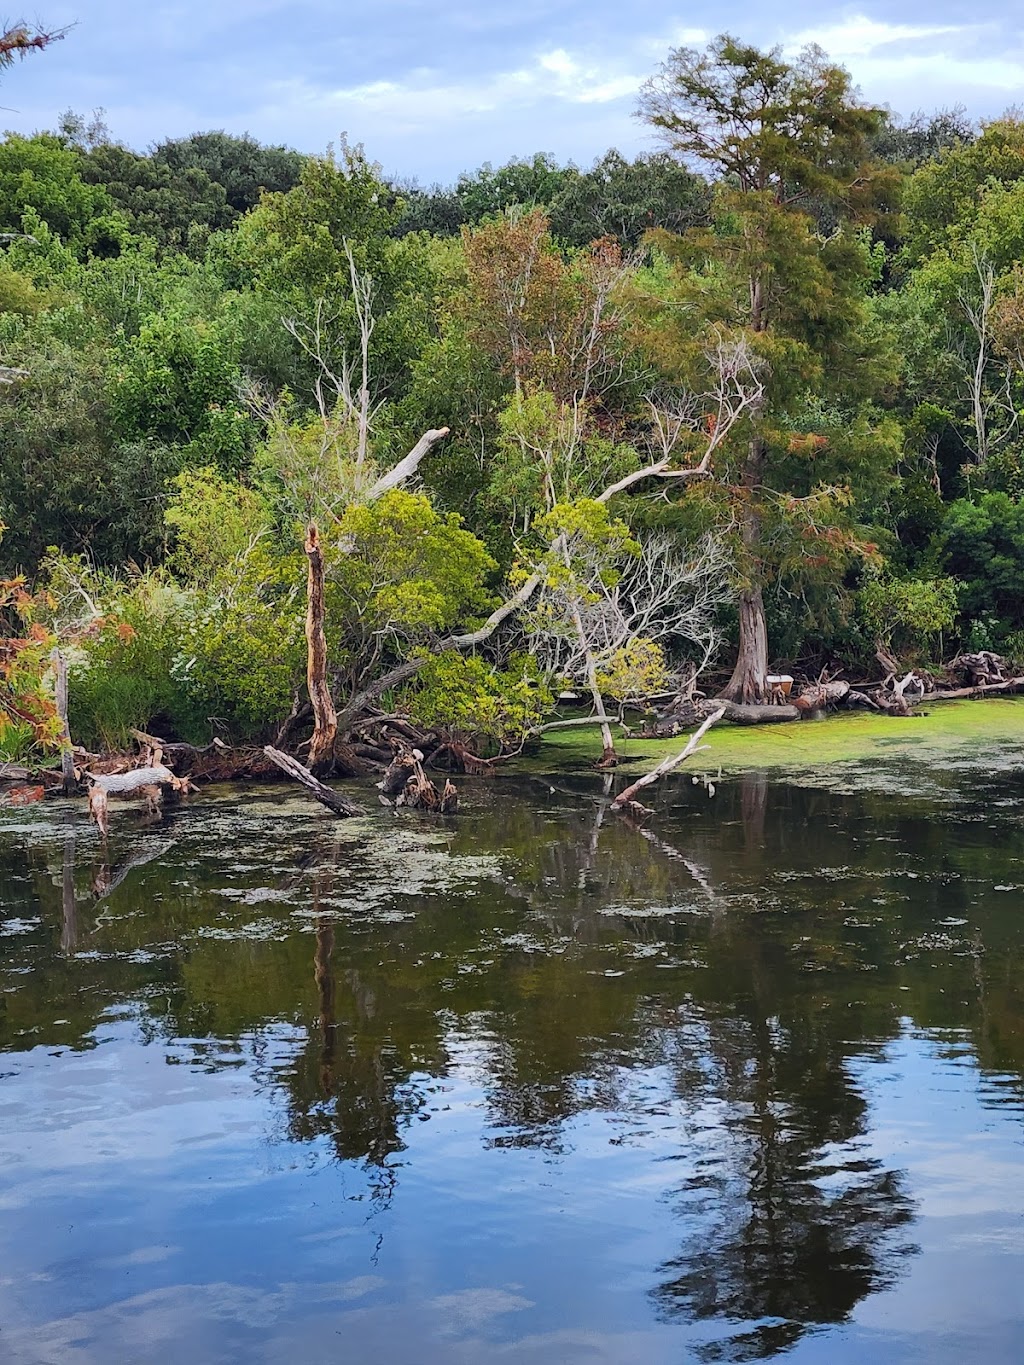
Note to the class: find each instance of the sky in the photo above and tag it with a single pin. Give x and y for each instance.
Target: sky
(435, 87)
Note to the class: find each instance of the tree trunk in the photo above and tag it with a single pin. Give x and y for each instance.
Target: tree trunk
(325, 718)
(69, 783)
(747, 682)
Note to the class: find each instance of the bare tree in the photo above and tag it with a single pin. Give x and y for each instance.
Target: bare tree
(988, 378)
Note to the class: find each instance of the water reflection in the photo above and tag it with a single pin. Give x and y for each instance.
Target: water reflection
(699, 991)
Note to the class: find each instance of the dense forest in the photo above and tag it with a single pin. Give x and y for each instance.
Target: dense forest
(749, 403)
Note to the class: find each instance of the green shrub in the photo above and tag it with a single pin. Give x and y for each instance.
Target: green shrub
(120, 673)
(478, 704)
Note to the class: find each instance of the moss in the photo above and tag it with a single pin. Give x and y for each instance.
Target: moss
(942, 731)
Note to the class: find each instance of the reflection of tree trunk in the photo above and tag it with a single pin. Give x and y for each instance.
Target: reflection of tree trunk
(326, 989)
(753, 806)
(69, 932)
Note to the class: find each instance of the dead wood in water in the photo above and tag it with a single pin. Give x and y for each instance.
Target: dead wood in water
(625, 800)
(327, 796)
(406, 780)
(751, 713)
(148, 782)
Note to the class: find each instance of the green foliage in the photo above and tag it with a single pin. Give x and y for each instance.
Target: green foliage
(625, 199)
(177, 382)
(474, 702)
(638, 669)
(241, 653)
(241, 166)
(408, 570)
(177, 209)
(120, 675)
(41, 178)
(214, 522)
(984, 549)
(942, 198)
(906, 614)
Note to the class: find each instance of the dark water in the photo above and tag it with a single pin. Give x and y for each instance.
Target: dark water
(529, 1087)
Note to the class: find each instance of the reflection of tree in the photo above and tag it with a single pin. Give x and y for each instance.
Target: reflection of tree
(553, 974)
(69, 925)
(791, 1228)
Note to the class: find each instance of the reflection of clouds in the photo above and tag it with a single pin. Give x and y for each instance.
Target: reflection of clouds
(471, 1309)
(221, 1323)
(184, 1322)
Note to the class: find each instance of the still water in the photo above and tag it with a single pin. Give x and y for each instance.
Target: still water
(527, 1086)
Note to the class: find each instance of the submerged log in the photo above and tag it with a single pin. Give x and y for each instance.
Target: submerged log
(625, 800)
(333, 800)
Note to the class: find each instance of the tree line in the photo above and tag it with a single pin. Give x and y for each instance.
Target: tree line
(750, 402)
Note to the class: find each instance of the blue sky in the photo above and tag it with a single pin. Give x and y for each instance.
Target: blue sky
(432, 87)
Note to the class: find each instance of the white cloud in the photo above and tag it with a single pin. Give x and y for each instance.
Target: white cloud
(919, 64)
(425, 96)
(860, 36)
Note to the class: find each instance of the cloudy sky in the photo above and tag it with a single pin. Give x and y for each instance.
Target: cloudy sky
(432, 87)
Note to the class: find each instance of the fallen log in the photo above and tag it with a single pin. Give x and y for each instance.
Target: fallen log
(147, 782)
(750, 713)
(625, 801)
(962, 693)
(327, 796)
(819, 696)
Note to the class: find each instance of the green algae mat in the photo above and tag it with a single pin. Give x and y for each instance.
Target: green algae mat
(959, 734)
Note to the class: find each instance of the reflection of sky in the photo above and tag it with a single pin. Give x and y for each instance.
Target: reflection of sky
(151, 1208)
(436, 88)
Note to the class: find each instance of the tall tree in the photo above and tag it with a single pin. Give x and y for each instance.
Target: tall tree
(781, 139)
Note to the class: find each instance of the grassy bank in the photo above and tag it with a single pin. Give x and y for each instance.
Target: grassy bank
(946, 730)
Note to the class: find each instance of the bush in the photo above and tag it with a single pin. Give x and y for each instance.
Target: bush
(478, 704)
(907, 614)
(120, 673)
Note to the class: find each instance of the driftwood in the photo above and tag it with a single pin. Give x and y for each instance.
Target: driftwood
(625, 800)
(818, 696)
(981, 690)
(407, 781)
(333, 800)
(982, 667)
(148, 782)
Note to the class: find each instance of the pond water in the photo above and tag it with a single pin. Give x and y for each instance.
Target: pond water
(531, 1085)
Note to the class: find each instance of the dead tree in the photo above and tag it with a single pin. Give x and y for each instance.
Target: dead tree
(325, 718)
(625, 800)
(149, 782)
(327, 796)
(69, 781)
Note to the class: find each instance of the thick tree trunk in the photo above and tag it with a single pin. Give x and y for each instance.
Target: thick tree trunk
(747, 683)
(325, 718)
